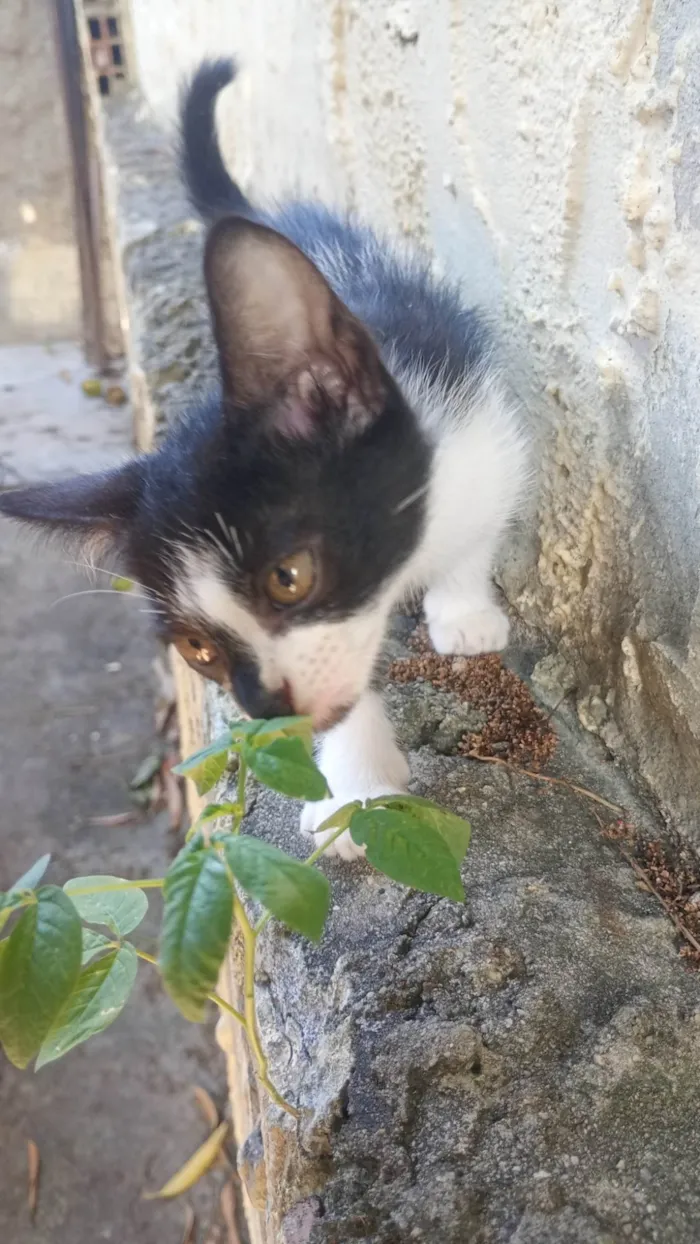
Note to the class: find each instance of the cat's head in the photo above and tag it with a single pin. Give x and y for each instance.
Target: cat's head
(273, 525)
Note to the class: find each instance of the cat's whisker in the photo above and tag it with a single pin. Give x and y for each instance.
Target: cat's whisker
(222, 525)
(98, 591)
(226, 553)
(90, 568)
(236, 541)
(410, 499)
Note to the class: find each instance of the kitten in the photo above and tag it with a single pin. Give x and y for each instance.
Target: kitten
(360, 448)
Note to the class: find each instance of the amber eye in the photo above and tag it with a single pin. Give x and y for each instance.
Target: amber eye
(291, 579)
(197, 651)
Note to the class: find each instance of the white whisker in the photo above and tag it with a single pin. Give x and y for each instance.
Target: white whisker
(222, 524)
(98, 591)
(226, 553)
(410, 499)
(90, 568)
(236, 541)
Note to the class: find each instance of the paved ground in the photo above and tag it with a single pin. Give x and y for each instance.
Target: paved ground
(117, 1115)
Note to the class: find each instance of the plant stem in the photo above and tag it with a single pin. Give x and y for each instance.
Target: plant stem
(147, 883)
(315, 855)
(213, 997)
(242, 774)
(251, 1022)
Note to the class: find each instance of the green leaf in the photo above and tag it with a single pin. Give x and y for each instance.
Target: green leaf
(243, 727)
(96, 1000)
(93, 943)
(39, 966)
(207, 766)
(196, 926)
(455, 831)
(120, 910)
(146, 771)
(214, 811)
(407, 850)
(283, 727)
(295, 893)
(339, 819)
(286, 766)
(27, 883)
(32, 877)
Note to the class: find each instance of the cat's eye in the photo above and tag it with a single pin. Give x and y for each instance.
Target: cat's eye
(201, 654)
(291, 579)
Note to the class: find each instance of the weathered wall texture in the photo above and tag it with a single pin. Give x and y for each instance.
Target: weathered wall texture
(39, 273)
(548, 155)
(460, 1081)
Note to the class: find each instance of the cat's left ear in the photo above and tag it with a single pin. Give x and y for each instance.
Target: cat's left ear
(289, 348)
(93, 511)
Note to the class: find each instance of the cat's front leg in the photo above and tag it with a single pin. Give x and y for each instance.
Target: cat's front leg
(460, 610)
(359, 759)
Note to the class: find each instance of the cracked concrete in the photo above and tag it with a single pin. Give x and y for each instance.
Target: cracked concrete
(523, 1069)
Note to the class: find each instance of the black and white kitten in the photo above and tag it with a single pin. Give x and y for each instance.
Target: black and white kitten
(360, 448)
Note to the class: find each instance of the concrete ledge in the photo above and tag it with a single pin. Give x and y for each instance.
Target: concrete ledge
(522, 1069)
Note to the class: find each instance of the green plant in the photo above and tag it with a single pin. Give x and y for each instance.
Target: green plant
(62, 980)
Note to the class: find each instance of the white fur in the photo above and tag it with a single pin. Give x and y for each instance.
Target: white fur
(479, 473)
(360, 760)
(326, 665)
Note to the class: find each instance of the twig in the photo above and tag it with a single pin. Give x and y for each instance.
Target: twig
(643, 874)
(546, 777)
(190, 1229)
(556, 708)
(115, 821)
(228, 1212)
(645, 877)
(33, 1168)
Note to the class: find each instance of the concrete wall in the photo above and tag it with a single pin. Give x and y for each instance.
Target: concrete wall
(548, 154)
(39, 274)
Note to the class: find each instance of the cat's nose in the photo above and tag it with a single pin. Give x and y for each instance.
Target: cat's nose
(254, 698)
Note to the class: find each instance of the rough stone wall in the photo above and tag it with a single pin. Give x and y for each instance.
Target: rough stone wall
(547, 154)
(524, 1069)
(39, 274)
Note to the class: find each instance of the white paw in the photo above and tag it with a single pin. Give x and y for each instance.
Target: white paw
(359, 759)
(314, 814)
(465, 632)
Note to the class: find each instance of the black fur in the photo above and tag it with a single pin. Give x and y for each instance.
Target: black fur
(340, 485)
(210, 188)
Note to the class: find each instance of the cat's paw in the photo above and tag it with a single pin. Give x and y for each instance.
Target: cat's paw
(314, 814)
(465, 632)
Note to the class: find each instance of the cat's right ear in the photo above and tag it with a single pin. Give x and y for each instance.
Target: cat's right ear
(288, 347)
(93, 512)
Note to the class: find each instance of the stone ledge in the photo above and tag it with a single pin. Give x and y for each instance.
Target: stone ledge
(524, 1069)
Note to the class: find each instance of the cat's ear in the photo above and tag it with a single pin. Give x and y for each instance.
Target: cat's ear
(287, 344)
(94, 511)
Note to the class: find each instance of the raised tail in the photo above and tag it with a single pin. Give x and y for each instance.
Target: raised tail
(211, 189)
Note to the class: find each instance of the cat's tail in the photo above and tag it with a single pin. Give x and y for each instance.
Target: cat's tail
(211, 189)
